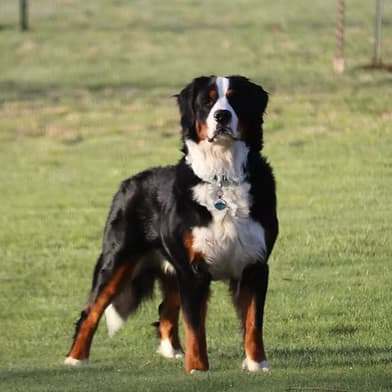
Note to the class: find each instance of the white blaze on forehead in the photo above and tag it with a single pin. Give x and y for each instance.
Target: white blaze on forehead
(222, 103)
(222, 85)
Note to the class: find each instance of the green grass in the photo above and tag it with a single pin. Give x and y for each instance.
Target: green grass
(86, 100)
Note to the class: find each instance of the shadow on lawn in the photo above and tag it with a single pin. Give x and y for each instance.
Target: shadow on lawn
(28, 91)
(321, 357)
(327, 364)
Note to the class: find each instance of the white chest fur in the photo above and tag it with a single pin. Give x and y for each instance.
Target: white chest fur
(233, 239)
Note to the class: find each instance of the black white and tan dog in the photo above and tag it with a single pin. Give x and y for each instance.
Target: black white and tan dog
(212, 216)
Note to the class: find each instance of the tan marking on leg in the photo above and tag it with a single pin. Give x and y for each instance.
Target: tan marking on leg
(168, 317)
(81, 346)
(196, 357)
(253, 336)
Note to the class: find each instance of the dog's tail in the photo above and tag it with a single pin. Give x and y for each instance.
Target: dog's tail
(139, 287)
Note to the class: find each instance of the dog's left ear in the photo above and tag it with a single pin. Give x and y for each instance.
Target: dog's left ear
(256, 108)
(261, 97)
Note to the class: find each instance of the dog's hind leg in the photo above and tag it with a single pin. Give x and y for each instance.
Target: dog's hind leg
(249, 297)
(169, 309)
(138, 288)
(122, 251)
(109, 278)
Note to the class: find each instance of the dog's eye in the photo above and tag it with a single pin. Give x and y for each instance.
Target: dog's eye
(211, 97)
(207, 100)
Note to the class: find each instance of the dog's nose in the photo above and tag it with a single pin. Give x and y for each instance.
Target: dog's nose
(222, 116)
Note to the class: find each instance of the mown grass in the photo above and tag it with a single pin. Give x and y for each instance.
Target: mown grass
(86, 100)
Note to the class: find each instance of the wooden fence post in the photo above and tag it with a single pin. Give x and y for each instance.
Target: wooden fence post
(24, 25)
(377, 39)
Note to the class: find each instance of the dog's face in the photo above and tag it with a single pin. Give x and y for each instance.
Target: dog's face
(222, 110)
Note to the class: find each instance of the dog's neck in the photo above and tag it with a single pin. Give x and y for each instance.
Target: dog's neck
(210, 160)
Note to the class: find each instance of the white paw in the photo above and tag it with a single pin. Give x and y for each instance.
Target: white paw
(253, 366)
(166, 350)
(75, 362)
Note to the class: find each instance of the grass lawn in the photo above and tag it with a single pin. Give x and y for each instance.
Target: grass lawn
(86, 100)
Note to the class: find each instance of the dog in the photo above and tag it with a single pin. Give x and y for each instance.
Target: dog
(212, 216)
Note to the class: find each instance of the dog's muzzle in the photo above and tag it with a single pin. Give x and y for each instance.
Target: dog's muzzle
(222, 132)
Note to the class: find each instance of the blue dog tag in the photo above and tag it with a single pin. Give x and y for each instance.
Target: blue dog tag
(220, 204)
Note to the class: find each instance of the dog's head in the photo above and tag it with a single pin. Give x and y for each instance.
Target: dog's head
(223, 109)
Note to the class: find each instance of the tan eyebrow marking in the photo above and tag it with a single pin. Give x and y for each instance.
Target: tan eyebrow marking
(229, 92)
(213, 94)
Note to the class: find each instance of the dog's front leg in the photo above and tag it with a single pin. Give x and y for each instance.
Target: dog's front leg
(194, 290)
(249, 297)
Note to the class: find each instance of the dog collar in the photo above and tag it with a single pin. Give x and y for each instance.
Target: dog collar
(221, 181)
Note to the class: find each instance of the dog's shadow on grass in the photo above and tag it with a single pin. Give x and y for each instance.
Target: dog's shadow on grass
(125, 376)
(318, 357)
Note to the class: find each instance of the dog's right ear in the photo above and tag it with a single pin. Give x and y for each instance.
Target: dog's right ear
(185, 101)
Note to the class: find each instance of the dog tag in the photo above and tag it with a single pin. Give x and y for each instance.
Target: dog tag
(220, 204)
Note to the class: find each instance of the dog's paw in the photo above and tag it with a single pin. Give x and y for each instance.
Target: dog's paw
(69, 361)
(197, 371)
(166, 350)
(253, 366)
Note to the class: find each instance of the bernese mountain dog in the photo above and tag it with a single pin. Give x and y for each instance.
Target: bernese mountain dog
(212, 216)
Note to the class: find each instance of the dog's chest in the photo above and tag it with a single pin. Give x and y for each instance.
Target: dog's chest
(233, 239)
